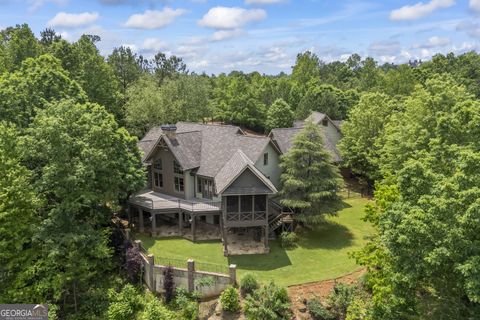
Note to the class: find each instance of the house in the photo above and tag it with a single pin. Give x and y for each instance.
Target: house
(208, 181)
(283, 137)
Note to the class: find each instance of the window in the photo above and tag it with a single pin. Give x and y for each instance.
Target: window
(158, 179)
(232, 204)
(157, 165)
(176, 168)
(265, 159)
(246, 203)
(199, 185)
(179, 184)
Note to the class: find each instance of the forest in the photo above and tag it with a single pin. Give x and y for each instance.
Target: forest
(70, 119)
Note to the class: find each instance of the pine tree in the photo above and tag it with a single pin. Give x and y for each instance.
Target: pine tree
(309, 179)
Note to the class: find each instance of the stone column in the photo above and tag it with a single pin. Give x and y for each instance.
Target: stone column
(154, 224)
(150, 266)
(137, 244)
(191, 275)
(233, 274)
(194, 219)
(140, 220)
(180, 223)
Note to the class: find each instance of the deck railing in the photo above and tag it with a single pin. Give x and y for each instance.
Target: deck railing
(247, 216)
(192, 206)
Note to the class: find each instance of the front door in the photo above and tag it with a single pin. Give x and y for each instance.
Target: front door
(207, 190)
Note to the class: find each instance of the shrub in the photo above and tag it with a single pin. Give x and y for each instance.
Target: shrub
(268, 303)
(168, 284)
(229, 299)
(340, 298)
(133, 264)
(318, 311)
(187, 304)
(154, 310)
(248, 284)
(288, 239)
(124, 304)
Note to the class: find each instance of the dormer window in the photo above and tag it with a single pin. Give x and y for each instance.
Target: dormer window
(265, 159)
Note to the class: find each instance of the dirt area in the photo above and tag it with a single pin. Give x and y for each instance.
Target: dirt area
(320, 290)
(211, 309)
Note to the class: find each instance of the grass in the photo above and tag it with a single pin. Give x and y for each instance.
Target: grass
(321, 254)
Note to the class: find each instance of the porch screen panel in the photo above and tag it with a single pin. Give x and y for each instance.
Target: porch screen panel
(261, 203)
(246, 203)
(232, 204)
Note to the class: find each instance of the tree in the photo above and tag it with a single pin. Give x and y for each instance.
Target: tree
(19, 43)
(424, 261)
(170, 67)
(182, 99)
(83, 164)
(364, 127)
(326, 99)
(96, 76)
(37, 83)
(125, 66)
(235, 101)
(279, 115)
(309, 179)
(18, 214)
(306, 68)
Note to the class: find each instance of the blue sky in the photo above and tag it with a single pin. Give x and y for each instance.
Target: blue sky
(264, 35)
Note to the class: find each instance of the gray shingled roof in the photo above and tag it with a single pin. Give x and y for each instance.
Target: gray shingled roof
(234, 167)
(283, 137)
(206, 147)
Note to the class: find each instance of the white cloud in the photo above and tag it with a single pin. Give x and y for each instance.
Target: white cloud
(475, 5)
(36, 4)
(419, 10)
(153, 44)
(434, 42)
(226, 34)
(132, 46)
(231, 17)
(154, 19)
(262, 1)
(384, 48)
(72, 20)
(471, 28)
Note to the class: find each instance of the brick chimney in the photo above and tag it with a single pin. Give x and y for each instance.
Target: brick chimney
(170, 130)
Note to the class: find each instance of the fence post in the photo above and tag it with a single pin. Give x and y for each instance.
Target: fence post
(137, 244)
(151, 264)
(233, 274)
(191, 275)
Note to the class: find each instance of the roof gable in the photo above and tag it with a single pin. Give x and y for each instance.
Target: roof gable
(234, 168)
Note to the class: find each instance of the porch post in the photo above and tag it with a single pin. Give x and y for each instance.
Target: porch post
(140, 220)
(194, 219)
(180, 222)
(154, 224)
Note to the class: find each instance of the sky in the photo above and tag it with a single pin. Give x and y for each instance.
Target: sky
(259, 35)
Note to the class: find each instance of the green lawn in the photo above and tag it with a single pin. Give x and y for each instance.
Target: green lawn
(321, 253)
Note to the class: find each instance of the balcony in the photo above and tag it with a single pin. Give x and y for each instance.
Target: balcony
(150, 200)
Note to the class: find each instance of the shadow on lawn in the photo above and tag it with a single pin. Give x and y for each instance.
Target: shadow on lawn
(329, 235)
(277, 258)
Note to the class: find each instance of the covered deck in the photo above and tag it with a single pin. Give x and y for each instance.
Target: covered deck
(169, 216)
